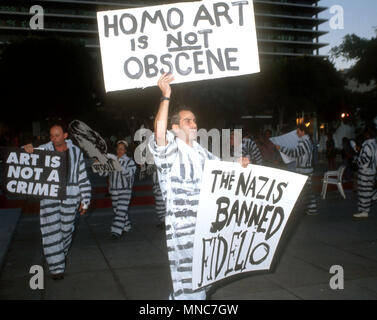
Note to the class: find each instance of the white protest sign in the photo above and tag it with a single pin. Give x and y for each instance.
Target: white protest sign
(193, 40)
(241, 216)
(288, 140)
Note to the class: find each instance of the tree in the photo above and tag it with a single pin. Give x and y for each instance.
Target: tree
(364, 51)
(288, 85)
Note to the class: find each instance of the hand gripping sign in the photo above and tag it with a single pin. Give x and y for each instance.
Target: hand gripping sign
(39, 175)
(241, 216)
(193, 40)
(288, 140)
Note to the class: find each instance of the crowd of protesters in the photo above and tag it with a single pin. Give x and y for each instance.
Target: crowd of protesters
(178, 144)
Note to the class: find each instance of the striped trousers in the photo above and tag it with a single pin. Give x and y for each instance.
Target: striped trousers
(120, 201)
(365, 190)
(180, 245)
(57, 220)
(159, 201)
(308, 197)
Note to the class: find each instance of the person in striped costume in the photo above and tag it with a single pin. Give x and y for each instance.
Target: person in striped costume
(251, 151)
(367, 167)
(57, 218)
(158, 198)
(303, 154)
(120, 189)
(180, 161)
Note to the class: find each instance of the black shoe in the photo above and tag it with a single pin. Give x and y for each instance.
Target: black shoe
(161, 226)
(115, 236)
(57, 276)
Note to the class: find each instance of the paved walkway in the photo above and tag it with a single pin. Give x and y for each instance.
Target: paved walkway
(136, 266)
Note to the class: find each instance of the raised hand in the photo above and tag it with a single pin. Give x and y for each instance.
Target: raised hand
(164, 84)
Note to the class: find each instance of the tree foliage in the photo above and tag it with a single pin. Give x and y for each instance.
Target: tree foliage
(364, 51)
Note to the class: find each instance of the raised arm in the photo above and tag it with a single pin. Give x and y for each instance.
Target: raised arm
(161, 121)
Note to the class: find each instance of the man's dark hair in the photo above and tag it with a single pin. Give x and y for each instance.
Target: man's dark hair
(175, 114)
(58, 123)
(302, 128)
(370, 131)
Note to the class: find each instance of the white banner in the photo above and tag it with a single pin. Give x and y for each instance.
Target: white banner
(288, 140)
(241, 216)
(193, 40)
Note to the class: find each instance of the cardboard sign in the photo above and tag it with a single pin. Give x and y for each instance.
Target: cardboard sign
(39, 175)
(241, 216)
(288, 140)
(193, 40)
(94, 146)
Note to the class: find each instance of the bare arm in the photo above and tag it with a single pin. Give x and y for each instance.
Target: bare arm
(161, 121)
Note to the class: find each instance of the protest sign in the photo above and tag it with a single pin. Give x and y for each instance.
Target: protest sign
(193, 40)
(40, 175)
(94, 146)
(241, 216)
(288, 140)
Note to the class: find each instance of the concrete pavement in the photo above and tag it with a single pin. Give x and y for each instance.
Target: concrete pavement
(136, 266)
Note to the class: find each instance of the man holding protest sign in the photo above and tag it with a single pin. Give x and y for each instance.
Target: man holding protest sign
(58, 217)
(180, 161)
(303, 154)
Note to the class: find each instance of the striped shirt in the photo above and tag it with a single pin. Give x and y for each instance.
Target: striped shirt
(367, 157)
(250, 150)
(77, 175)
(180, 169)
(120, 180)
(303, 153)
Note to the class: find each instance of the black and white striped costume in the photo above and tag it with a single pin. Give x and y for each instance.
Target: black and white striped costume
(366, 175)
(303, 154)
(251, 151)
(58, 217)
(180, 170)
(120, 188)
(158, 198)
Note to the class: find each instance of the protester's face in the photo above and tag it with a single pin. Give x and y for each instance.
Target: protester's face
(57, 136)
(300, 133)
(267, 134)
(121, 150)
(187, 128)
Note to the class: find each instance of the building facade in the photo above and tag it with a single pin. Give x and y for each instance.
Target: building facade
(284, 27)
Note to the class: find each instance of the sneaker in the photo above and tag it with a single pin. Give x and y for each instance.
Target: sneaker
(127, 229)
(311, 213)
(361, 215)
(160, 226)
